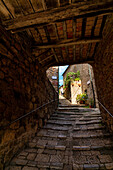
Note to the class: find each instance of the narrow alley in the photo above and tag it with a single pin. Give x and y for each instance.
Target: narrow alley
(73, 138)
(36, 38)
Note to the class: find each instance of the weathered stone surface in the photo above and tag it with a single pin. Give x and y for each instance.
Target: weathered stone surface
(60, 148)
(42, 158)
(109, 166)
(47, 151)
(29, 168)
(20, 161)
(55, 158)
(92, 166)
(31, 156)
(105, 158)
(22, 88)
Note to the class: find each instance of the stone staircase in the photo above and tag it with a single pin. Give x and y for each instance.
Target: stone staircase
(73, 138)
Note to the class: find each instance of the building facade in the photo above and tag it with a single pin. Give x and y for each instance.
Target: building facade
(87, 83)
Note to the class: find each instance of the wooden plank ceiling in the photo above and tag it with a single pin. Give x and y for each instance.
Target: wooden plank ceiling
(61, 31)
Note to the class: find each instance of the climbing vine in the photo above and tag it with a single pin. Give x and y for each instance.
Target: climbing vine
(70, 77)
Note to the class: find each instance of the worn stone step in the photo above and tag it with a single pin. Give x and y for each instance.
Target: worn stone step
(90, 122)
(78, 109)
(68, 109)
(61, 118)
(89, 128)
(89, 119)
(67, 113)
(56, 128)
(93, 166)
(80, 136)
(51, 147)
(93, 147)
(59, 123)
(91, 116)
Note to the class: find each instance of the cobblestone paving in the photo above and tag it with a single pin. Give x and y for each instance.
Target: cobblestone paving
(73, 139)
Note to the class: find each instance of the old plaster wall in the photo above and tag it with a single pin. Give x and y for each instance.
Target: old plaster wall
(103, 71)
(24, 86)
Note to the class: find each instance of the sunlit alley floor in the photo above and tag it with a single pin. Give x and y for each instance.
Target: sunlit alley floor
(74, 138)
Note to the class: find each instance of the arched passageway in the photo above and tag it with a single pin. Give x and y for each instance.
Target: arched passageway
(35, 36)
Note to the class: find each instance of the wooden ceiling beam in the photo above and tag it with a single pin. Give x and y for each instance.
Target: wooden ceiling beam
(91, 61)
(54, 53)
(65, 37)
(68, 42)
(41, 61)
(44, 5)
(77, 10)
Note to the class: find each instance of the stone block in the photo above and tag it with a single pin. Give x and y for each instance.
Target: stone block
(31, 156)
(42, 158)
(60, 148)
(109, 166)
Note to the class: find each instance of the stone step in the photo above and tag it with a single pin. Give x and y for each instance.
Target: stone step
(75, 114)
(89, 128)
(89, 119)
(52, 136)
(93, 147)
(68, 109)
(87, 136)
(91, 116)
(90, 122)
(59, 123)
(57, 128)
(61, 118)
(78, 109)
(51, 147)
(93, 166)
(67, 113)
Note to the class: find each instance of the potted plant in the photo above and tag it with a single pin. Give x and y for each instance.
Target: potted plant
(82, 98)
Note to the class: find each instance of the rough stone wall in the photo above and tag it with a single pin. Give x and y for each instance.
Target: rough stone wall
(85, 77)
(52, 74)
(23, 87)
(103, 71)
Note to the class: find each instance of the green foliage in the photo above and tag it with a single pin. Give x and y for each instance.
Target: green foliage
(81, 97)
(70, 77)
(77, 79)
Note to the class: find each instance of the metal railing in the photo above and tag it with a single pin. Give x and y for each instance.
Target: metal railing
(27, 114)
(105, 108)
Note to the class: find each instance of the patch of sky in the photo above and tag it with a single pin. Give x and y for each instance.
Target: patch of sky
(61, 71)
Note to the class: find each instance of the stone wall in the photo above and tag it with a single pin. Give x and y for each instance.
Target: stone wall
(24, 86)
(52, 74)
(86, 81)
(103, 71)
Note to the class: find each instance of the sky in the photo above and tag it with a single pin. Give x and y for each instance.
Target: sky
(61, 71)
